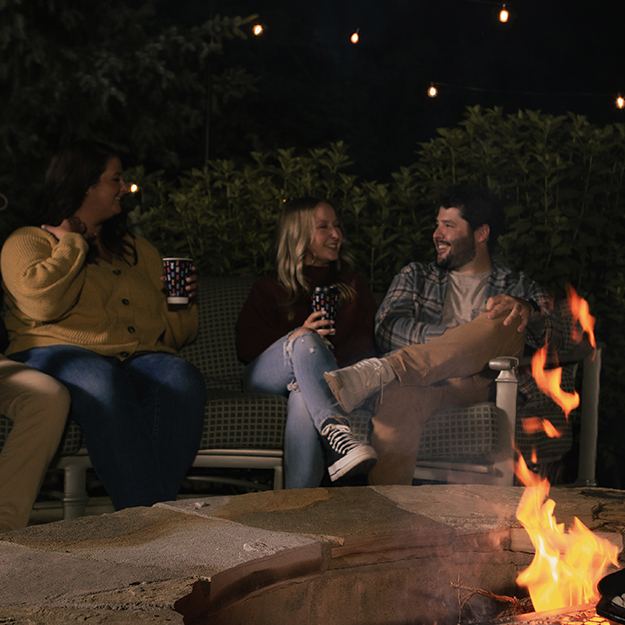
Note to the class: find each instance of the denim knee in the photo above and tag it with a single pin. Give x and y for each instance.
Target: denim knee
(179, 376)
(307, 344)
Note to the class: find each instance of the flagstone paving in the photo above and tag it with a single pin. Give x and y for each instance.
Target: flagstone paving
(354, 556)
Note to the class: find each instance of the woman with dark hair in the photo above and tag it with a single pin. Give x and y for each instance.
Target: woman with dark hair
(287, 348)
(85, 304)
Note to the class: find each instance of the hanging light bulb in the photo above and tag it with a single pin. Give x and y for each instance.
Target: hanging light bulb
(133, 188)
(258, 29)
(620, 101)
(355, 37)
(504, 14)
(432, 91)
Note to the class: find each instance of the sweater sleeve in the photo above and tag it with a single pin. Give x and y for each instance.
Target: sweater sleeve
(44, 276)
(360, 341)
(259, 323)
(182, 322)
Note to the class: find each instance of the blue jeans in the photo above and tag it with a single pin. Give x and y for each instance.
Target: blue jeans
(142, 418)
(297, 366)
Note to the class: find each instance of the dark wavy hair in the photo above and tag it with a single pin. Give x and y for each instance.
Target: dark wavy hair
(477, 206)
(72, 171)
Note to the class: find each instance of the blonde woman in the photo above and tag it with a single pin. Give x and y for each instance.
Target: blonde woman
(287, 348)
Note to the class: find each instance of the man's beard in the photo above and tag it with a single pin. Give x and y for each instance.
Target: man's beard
(461, 252)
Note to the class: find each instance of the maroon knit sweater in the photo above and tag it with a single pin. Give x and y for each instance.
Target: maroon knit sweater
(264, 316)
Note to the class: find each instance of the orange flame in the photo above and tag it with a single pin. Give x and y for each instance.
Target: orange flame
(567, 565)
(550, 429)
(581, 313)
(533, 425)
(548, 381)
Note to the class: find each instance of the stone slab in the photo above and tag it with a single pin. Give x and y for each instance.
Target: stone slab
(215, 559)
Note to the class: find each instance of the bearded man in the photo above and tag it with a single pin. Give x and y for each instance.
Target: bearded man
(441, 323)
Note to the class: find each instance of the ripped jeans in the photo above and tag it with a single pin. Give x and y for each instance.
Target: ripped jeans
(295, 368)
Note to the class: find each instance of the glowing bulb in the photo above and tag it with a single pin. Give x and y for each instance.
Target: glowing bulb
(432, 91)
(504, 14)
(133, 188)
(258, 30)
(355, 36)
(620, 102)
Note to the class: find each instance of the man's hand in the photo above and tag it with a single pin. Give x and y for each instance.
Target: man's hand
(511, 308)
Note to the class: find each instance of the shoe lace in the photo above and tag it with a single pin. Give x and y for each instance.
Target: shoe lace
(340, 438)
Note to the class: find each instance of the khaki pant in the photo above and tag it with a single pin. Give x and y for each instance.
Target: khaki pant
(443, 373)
(38, 406)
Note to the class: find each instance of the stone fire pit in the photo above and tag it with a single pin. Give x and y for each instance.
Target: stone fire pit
(348, 556)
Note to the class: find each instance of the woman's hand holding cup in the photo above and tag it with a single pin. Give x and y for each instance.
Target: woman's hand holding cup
(180, 280)
(315, 323)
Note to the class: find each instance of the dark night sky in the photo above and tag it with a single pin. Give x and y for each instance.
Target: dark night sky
(315, 86)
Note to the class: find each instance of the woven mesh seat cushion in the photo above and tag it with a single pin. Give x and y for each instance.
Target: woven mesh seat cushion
(243, 421)
(232, 419)
(472, 434)
(71, 442)
(5, 429)
(213, 352)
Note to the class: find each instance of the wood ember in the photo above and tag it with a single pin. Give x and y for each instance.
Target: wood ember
(519, 611)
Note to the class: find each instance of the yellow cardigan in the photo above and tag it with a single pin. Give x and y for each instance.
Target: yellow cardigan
(115, 309)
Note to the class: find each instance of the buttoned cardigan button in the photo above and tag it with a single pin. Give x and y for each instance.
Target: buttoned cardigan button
(131, 329)
(117, 272)
(125, 301)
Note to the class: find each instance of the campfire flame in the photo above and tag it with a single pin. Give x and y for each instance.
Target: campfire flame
(567, 565)
(581, 314)
(533, 425)
(548, 381)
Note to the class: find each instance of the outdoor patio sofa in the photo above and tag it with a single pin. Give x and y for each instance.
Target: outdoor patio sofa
(245, 430)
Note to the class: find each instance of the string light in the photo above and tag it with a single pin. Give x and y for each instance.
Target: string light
(355, 37)
(433, 91)
(504, 14)
(258, 29)
(133, 188)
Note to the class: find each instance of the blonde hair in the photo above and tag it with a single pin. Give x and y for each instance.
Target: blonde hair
(296, 229)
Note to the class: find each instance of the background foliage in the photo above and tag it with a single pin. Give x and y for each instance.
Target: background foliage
(115, 71)
(561, 180)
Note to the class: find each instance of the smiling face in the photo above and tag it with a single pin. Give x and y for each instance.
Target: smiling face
(454, 240)
(102, 200)
(327, 237)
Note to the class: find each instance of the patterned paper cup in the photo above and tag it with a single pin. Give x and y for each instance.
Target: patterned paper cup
(176, 270)
(326, 298)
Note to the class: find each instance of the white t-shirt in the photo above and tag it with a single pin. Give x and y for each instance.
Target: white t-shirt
(465, 297)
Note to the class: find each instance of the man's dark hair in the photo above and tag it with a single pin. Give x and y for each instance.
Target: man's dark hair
(477, 206)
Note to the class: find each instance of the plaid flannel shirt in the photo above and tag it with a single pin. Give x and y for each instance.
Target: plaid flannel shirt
(412, 310)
